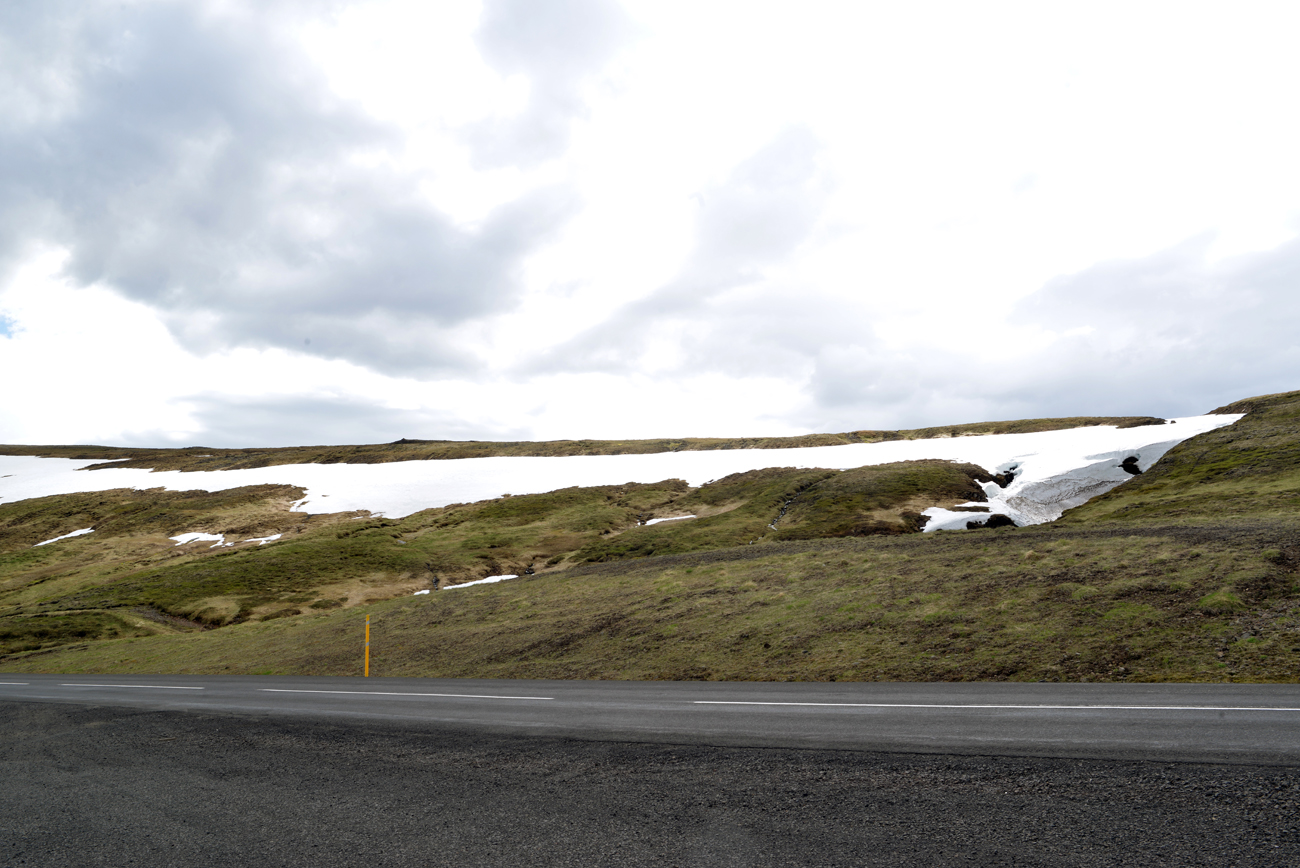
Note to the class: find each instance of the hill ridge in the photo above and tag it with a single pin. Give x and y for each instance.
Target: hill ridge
(205, 458)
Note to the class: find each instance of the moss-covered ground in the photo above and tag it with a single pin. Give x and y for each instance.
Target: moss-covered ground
(340, 561)
(1035, 604)
(1250, 470)
(1187, 572)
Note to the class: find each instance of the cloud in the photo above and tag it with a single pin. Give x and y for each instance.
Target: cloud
(1192, 332)
(558, 45)
(746, 226)
(224, 421)
(1170, 334)
(197, 162)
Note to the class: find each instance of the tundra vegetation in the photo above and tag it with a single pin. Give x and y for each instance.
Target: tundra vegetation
(1186, 572)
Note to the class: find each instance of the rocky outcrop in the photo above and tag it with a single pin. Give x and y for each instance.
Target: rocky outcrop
(994, 521)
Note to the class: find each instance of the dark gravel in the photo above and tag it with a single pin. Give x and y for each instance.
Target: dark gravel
(111, 786)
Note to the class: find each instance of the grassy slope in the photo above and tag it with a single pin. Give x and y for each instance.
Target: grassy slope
(203, 458)
(1155, 581)
(1247, 470)
(131, 533)
(327, 562)
(1030, 604)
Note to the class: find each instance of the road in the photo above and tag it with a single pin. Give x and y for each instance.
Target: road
(172, 770)
(1203, 723)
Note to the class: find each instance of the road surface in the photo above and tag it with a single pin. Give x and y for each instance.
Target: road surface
(1204, 723)
(313, 772)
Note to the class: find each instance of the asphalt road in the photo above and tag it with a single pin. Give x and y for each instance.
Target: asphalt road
(1257, 724)
(88, 784)
(185, 770)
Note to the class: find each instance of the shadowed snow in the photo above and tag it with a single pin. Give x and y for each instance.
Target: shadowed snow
(1048, 484)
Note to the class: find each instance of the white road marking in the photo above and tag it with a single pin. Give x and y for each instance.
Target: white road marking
(1030, 707)
(13, 682)
(380, 693)
(137, 686)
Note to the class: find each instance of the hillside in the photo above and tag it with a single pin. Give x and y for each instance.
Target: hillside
(196, 458)
(1248, 471)
(1155, 580)
(129, 565)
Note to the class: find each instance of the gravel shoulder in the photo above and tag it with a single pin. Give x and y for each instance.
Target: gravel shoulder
(112, 786)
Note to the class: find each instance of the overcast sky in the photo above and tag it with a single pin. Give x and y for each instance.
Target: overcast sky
(248, 223)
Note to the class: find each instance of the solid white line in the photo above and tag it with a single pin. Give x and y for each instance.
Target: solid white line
(135, 686)
(379, 693)
(1032, 707)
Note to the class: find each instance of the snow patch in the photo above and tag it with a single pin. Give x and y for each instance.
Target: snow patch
(263, 540)
(419, 593)
(670, 518)
(488, 581)
(81, 532)
(1048, 483)
(201, 537)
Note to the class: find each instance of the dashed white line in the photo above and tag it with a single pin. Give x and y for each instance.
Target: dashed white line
(1026, 707)
(379, 693)
(137, 686)
(14, 682)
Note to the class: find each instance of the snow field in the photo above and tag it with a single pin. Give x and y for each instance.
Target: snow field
(1054, 471)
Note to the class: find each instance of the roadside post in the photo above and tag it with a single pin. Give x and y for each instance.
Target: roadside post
(367, 646)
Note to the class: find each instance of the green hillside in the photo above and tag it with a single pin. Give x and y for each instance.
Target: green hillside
(1186, 572)
(327, 562)
(1250, 470)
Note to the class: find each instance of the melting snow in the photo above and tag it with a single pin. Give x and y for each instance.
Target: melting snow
(200, 537)
(220, 539)
(670, 518)
(488, 581)
(1048, 483)
(1053, 471)
(66, 536)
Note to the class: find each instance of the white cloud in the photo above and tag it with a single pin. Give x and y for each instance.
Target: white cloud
(556, 46)
(206, 170)
(292, 222)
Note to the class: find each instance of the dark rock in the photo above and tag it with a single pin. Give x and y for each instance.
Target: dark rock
(1002, 479)
(914, 521)
(994, 521)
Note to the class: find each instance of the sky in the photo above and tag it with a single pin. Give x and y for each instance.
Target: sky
(233, 223)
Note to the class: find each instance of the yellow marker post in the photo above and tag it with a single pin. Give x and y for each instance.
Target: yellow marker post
(367, 646)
